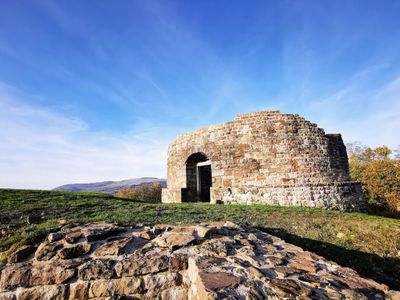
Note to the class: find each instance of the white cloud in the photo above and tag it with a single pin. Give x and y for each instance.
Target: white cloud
(42, 148)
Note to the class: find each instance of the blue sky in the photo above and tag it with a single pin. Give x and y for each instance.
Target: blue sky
(95, 90)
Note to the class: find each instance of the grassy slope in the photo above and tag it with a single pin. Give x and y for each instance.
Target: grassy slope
(370, 244)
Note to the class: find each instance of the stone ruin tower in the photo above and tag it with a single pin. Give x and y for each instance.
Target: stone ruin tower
(262, 158)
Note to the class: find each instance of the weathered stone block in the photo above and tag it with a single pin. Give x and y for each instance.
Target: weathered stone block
(178, 262)
(79, 290)
(138, 264)
(14, 276)
(54, 292)
(74, 251)
(127, 286)
(56, 272)
(96, 269)
(21, 254)
(47, 250)
(113, 247)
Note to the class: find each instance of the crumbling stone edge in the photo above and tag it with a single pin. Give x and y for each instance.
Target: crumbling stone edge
(201, 261)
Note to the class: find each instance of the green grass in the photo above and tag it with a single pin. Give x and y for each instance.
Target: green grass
(368, 243)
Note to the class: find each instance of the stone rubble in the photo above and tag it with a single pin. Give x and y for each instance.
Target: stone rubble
(209, 261)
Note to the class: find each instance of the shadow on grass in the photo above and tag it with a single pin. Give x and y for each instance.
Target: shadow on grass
(385, 214)
(381, 269)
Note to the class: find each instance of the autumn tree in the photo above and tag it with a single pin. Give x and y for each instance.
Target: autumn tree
(379, 172)
(145, 192)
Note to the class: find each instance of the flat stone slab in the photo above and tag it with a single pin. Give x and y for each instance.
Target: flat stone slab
(208, 261)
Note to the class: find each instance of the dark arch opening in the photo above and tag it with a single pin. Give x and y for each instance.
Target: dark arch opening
(198, 178)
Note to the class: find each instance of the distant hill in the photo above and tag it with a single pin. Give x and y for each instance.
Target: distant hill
(111, 187)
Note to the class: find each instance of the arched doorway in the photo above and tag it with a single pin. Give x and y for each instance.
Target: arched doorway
(198, 178)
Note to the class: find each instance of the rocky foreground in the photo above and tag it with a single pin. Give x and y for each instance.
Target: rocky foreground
(214, 261)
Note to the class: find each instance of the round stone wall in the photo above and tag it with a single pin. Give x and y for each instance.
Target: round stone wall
(263, 158)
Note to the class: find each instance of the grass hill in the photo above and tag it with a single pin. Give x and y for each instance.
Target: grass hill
(111, 187)
(370, 244)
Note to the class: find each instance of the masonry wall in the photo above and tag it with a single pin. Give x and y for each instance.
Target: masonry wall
(288, 160)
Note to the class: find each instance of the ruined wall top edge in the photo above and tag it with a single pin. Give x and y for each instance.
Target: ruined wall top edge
(272, 116)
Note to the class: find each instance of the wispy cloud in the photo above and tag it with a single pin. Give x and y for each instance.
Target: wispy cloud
(362, 110)
(42, 148)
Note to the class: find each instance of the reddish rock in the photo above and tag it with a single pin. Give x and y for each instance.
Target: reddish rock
(56, 272)
(303, 255)
(21, 254)
(14, 276)
(304, 265)
(113, 248)
(79, 291)
(75, 251)
(350, 278)
(218, 280)
(204, 262)
(178, 262)
(269, 249)
(47, 250)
